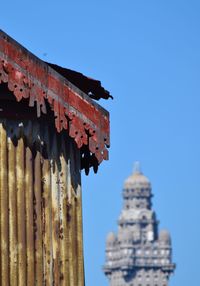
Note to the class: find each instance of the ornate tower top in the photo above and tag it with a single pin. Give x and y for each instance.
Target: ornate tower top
(137, 179)
(137, 167)
(138, 254)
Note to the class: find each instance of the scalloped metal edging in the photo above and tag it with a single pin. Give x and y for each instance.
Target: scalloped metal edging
(29, 77)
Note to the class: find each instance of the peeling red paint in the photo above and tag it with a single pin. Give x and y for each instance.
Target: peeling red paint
(29, 77)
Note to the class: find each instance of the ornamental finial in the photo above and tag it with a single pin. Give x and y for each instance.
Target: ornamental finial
(137, 168)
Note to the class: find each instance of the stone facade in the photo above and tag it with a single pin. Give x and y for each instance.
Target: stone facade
(138, 255)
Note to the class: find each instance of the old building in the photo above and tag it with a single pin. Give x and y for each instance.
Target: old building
(50, 129)
(138, 255)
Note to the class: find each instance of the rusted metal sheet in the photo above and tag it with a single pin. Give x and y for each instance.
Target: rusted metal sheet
(28, 77)
(88, 85)
(40, 209)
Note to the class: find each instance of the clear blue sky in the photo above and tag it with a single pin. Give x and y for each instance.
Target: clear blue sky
(147, 53)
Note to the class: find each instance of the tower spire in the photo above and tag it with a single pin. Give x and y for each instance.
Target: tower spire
(137, 168)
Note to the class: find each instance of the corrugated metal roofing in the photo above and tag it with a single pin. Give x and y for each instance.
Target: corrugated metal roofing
(90, 86)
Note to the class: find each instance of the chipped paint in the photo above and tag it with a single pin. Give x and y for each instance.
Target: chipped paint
(49, 131)
(40, 210)
(29, 77)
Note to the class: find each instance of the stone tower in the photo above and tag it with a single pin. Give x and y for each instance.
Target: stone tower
(138, 255)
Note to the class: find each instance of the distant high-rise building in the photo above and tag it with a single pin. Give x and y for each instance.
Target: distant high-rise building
(138, 255)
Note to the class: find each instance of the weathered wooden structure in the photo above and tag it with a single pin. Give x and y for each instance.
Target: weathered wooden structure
(49, 131)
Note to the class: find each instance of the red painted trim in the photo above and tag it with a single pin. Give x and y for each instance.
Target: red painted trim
(29, 77)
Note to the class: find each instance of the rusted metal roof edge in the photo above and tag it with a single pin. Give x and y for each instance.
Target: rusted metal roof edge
(88, 85)
(29, 77)
(53, 71)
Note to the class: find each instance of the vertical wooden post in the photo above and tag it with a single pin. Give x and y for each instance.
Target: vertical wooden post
(38, 220)
(21, 221)
(12, 194)
(64, 234)
(47, 219)
(29, 217)
(4, 207)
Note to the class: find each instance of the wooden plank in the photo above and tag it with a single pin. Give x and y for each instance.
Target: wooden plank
(55, 213)
(21, 221)
(79, 219)
(38, 221)
(29, 218)
(72, 221)
(4, 208)
(12, 194)
(79, 222)
(64, 231)
(47, 221)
